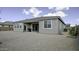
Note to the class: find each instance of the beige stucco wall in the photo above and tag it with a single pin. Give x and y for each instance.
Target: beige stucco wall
(57, 27)
(53, 30)
(18, 29)
(61, 27)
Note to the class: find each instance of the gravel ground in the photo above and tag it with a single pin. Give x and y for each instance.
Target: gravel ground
(32, 41)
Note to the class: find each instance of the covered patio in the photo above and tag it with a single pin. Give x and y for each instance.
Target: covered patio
(31, 27)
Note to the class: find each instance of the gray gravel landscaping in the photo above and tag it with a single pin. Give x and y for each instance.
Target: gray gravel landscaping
(32, 41)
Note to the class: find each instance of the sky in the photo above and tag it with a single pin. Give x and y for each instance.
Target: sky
(70, 15)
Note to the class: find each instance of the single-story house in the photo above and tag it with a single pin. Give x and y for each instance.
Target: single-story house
(49, 24)
(6, 26)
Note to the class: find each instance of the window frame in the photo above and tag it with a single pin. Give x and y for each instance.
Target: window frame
(47, 25)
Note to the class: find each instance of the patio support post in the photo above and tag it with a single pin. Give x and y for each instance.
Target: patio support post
(31, 28)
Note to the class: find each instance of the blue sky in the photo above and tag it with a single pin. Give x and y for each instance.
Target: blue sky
(69, 14)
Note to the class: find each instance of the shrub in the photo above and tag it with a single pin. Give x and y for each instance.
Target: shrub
(74, 31)
(65, 30)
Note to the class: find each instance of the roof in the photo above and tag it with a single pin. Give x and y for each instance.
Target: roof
(39, 19)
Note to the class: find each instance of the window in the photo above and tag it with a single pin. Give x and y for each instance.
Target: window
(20, 26)
(47, 24)
(17, 26)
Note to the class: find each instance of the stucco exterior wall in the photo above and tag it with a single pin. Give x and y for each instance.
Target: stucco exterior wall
(61, 27)
(15, 28)
(57, 27)
(53, 30)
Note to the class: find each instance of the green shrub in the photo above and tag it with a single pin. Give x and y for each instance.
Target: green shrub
(74, 31)
(65, 30)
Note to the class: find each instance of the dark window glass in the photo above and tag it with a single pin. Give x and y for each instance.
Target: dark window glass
(20, 26)
(45, 24)
(49, 25)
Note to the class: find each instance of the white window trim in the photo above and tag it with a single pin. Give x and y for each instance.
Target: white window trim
(47, 28)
